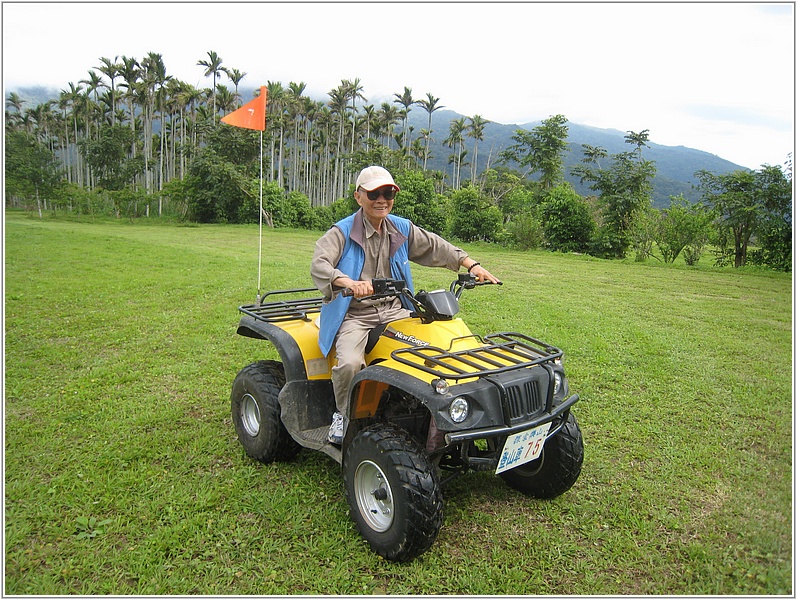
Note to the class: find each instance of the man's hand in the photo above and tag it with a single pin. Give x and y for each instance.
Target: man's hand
(358, 288)
(483, 274)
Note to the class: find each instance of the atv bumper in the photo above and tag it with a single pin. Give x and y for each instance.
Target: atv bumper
(502, 431)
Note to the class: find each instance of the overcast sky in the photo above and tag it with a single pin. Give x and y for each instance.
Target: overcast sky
(717, 77)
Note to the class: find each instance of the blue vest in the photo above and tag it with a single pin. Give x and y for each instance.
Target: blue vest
(351, 264)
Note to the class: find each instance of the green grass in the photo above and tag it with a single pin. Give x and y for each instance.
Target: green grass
(123, 474)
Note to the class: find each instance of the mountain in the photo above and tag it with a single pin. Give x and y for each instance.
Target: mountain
(675, 165)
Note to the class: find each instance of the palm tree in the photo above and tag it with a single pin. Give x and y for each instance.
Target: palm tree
(66, 148)
(405, 99)
(14, 117)
(276, 106)
(84, 107)
(213, 66)
(369, 112)
(187, 97)
(476, 131)
(193, 99)
(324, 124)
(235, 76)
(225, 99)
(338, 102)
(388, 116)
(352, 90)
(429, 105)
(456, 136)
(42, 117)
(71, 98)
(111, 70)
(296, 113)
(153, 80)
(130, 71)
(313, 141)
(14, 101)
(93, 84)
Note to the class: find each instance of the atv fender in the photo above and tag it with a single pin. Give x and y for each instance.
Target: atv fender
(287, 347)
(369, 385)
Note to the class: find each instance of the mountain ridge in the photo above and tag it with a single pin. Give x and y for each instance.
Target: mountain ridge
(675, 165)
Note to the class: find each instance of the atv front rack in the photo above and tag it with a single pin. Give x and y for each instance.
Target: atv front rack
(501, 352)
(283, 310)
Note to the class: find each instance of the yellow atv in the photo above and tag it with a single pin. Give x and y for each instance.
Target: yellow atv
(434, 401)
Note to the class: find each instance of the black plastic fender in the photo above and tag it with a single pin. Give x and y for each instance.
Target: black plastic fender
(292, 359)
(484, 397)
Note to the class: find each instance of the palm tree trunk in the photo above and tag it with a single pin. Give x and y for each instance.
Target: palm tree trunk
(279, 164)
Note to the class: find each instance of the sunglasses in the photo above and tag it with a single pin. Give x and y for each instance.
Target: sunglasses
(388, 193)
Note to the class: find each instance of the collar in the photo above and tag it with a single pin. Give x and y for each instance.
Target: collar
(359, 232)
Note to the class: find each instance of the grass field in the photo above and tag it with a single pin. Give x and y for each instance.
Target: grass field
(123, 474)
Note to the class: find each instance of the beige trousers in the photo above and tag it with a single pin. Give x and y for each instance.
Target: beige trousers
(350, 346)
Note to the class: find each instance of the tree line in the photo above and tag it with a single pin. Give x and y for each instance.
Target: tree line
(132, 140)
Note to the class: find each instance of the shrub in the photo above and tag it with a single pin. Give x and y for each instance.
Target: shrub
(525, 231)
(680, 226)
(418, 202)
(474, 216)
(566, 220)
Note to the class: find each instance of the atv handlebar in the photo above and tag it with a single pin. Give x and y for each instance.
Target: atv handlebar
(391, 288)
(467, 281)
(441, 305)
(383, 288)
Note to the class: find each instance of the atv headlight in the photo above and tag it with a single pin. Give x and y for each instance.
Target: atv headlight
(458, 410)
(557, 383)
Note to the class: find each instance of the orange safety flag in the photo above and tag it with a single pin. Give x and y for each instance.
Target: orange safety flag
(251, 115)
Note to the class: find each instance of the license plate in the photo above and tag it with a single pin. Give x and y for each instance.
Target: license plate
(522, 447)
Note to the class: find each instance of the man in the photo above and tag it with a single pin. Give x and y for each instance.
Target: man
(370, 244)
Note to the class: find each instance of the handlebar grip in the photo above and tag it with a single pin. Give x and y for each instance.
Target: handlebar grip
(487, 282)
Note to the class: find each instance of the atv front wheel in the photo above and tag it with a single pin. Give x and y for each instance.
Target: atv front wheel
(557, 468)
(256, 412)
(393, 492)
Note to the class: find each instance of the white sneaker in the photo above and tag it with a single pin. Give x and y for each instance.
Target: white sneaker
(335, 434)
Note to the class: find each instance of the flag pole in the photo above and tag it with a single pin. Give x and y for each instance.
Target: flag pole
(252, 115)
(260, 214)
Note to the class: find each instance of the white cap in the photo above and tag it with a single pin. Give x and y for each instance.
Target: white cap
(372, 178)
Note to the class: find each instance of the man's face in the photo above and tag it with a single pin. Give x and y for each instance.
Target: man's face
(376, 210)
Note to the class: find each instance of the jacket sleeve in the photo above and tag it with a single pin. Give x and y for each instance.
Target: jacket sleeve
(430, 250)
(328, 250)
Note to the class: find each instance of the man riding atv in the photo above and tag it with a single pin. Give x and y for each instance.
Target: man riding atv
(423, 398)
(371, 244)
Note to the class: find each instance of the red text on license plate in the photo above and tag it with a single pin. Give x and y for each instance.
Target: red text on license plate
(522, 447)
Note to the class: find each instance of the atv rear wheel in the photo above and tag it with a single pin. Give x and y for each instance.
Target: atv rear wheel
(393, 492)
(557, 468)
(256, 412)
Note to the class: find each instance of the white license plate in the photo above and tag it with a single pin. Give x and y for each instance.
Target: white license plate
(522, 447)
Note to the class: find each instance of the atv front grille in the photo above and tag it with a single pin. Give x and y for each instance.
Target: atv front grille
(524, 401)
(275, 311)
(499, 353)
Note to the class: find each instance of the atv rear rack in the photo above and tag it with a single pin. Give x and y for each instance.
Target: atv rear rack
(518, 350)
(284, 310)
